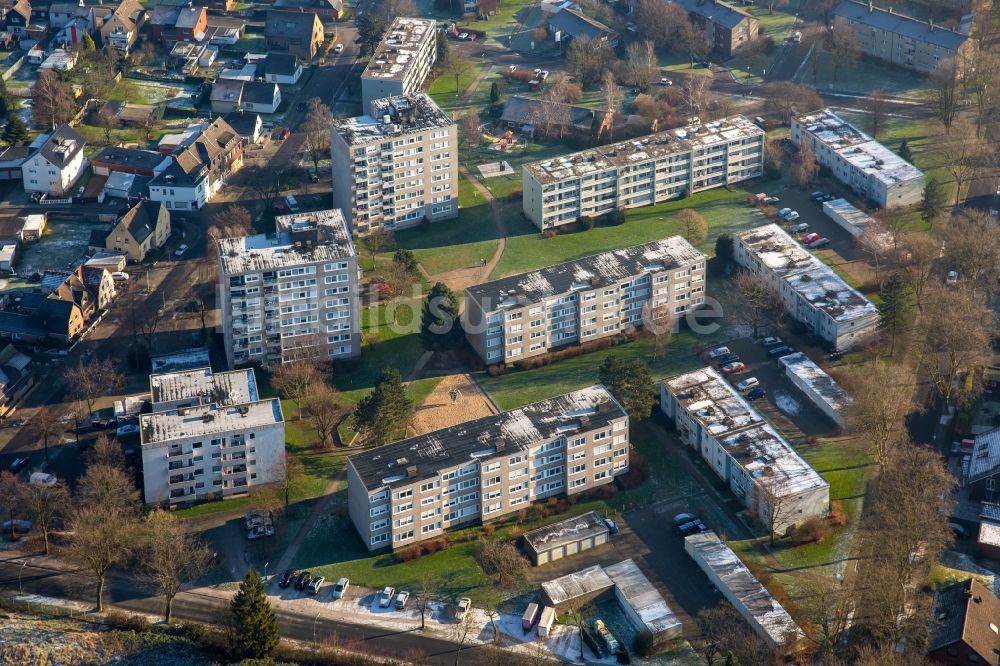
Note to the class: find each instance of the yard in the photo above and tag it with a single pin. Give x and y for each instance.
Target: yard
(863, 76)
(64, 242)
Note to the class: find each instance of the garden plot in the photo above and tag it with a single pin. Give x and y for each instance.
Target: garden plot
(152, 92)
(64, 242)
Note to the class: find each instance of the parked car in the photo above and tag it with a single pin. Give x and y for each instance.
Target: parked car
(817, 196)
(100, 424)
(779, 351)
(127, 429)
(693, 527)
(791, 217)
(181, 249)
(612, 526)
(816, 244)
(313, 177)
(809, 238)
(733, 368)
(666, 82)
(340, 588)
(770, 200)
(784, 212)
(301, 106)
(303, 580)
(718, 351)
(771, 341)
(462, 608)
(756, 393)
(401, 599)
(796, 37)
(835, 356)
(800, 227)
(315, 584)
(747, 384)
(683, 518)
(19, 463)
(119, 276)
(728, 358)
(385, 598)
(21, 526)
(338, 49)
(287, 578)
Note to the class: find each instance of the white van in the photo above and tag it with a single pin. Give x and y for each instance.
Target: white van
(545, 622)
(292, 204)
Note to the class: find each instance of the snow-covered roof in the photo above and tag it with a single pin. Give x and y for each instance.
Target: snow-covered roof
(399, 48)
(161, 427)
(226, 388)
(642, 597)
(585, 582)
(301, 238)
(821, 383)
(985, 461)
(566, 531)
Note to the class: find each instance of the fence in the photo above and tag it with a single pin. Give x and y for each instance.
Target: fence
(13, 69)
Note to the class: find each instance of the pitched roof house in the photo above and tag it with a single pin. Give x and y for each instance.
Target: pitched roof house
(142, 228)
(299, 33)
(328, 10)
(56, 165)
(121, 27)
(967, 615)
(281, 68)
(569, 24)
(197, 172)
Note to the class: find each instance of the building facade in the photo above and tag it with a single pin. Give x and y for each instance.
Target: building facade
(586, 299)
(298, 32)
(57, 164)
(401, 61)
(859, 161)
(397, 166)
(209, 437)
(292, 295)
(902, 40)
(641, 172)
(199, 170)
(729, 28)
(760, 466)
(812, 293)
(415, 489)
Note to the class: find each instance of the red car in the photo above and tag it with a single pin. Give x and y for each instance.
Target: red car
(734, 367)
(282, 133)
(809, 238)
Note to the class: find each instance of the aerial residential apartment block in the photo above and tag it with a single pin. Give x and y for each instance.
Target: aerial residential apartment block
(811, 292)
(414, 489)
(859, 161)
(291, 295)
(729, 28)
(397, 166)
(209, 436)
(760, 466)
(401, 61)
(642, 171)
(902, 40)
(593, 297)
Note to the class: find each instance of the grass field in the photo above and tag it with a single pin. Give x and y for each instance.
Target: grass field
(864, 76)
(725, 211)
(443, 90)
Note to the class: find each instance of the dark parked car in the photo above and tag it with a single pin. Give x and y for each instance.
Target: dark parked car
(756, 393)
(303, 580)
(835, 356)
(778, 352)
(612, 526)
(727, 359)
(694, 527)
(287, 578)
(20, 463)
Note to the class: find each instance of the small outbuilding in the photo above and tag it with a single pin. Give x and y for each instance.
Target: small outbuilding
(819, 387)
(988, 539)
(565, 538)
(644, 606)
(576, 589)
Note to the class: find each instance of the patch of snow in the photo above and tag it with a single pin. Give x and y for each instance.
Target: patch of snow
(787, 403)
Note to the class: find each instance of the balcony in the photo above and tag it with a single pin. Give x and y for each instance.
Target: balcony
(180, 467)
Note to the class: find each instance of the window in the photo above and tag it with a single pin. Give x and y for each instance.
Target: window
(403, 494)
(379, 525)
(381, 538)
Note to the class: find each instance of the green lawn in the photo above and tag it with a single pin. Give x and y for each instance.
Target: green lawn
(863, 76)
(442, 89)
(725, 211)
(519, 387)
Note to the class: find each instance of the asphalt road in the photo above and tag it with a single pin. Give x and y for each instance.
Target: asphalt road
(126, 594)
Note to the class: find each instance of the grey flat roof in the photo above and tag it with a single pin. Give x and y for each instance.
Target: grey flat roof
(823, 384)
(207, 420)
(301, 238)
(396, 52)
(566, 531)
(577, 584)
(407, 114)
(184, 359)
(643, 597)
(906, 26)
(225, 388)
(590, 272)
(480, 439)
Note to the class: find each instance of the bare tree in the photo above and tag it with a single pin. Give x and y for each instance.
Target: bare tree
(827, 609)
(456, 68)
(759, 298)
(379, 240)
(149, 325)
(805, 166)
(105, 452)
(171, 558)
(316, 130)
(294, 381)
(786, 99)
(103, 537)
(91, 379)
(693, 93)
(945, 95)
(972, 247)
(47, 506)
(842, 44)
(772, 503)
(468, 129)
(428, 586)
(962, 152)
(876, 243)
(921, 253)
(290, 472)
(501, 559)
(877, 109)
(954, 337)
(233, 221)
(45, 425)
(267, 190)
(51, 100)
(693, 226)
(882, 394)
(11, 497)
(660, 321)
(980, 85)
(612, 94)
(109, 487)
(323, 412)
(642, 63)
(108, 124)
(716, 626)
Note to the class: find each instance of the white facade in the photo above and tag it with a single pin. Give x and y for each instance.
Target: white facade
(759, 465)
(859, 161)
(642, 172)
(40, 175)
(812, 293)
(184, 197)
(401, 61)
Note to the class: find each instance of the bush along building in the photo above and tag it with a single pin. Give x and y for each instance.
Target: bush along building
(416, 489)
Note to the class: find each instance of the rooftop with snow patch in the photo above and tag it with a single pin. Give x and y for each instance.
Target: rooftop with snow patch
(225, 388)
(566, 531)
(393, 116)
(484, 438)
(635, 151)
(823, 384)
(806, 274)
(207, 420)
(398, 49)
(301, 238)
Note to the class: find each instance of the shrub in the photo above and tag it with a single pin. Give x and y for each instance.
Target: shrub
(638, 471)
(409, 553)
(496, 370)
(489, 529)
(587, 222)
(606, 491)
(645, 644)
(812, 530)
(127, 621)
(838, 516)
(549, 233)
(767, 45)
(522, 515)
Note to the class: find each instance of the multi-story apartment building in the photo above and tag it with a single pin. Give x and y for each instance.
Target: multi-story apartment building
(415, 489)
(640, 172)
(401, 61)
(292, 295)
(729, 28)
(760, 466)
(209, 437)
(859, 161)
(397, 166)
(811, 292)
(593, 297)
(903, 40)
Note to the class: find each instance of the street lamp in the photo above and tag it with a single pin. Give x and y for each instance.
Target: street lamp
(20, 572)
(265, 572)
(315, 620)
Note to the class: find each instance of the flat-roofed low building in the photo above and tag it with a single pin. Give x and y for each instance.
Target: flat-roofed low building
(763, 613)
(642, 171)
(415, 489)
(821, 389)
(577, 588)
(566, 537)
(597, 296)
(209, 437)
(644, 606)
(811, 292)
(397, 166)
(760, 466)
(291, 295)
(401, 61)
(859, 161)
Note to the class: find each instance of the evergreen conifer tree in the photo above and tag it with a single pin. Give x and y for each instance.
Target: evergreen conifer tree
(255, 620)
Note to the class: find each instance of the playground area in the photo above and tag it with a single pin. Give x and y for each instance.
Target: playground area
(443, 408)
